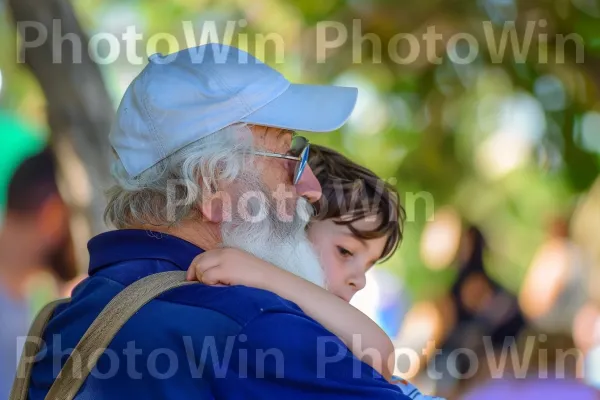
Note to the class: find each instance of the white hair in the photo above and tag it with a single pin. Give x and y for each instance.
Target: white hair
(207, 164)
(282, 243)
(144, 199)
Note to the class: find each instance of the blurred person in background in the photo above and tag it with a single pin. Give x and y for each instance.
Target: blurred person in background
(485, 313)
(527, 355)
(36, 254)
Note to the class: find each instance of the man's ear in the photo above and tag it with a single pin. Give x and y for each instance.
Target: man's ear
(211, 206)
(212, 210)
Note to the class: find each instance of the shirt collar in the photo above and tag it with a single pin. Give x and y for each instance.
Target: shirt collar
(129, 244)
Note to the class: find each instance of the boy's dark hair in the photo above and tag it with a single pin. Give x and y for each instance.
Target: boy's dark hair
(352, 192)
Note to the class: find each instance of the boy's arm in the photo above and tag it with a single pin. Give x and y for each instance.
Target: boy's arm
(364, 338)
(288, 356)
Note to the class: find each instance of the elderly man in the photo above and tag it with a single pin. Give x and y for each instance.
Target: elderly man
(206, 157)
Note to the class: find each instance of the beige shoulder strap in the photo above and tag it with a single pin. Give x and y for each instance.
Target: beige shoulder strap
(31, 347)
(98, 336)
(105, 327)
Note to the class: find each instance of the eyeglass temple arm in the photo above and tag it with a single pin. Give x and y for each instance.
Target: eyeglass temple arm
(277, 155)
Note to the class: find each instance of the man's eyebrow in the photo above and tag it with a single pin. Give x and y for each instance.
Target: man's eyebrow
(286, 132)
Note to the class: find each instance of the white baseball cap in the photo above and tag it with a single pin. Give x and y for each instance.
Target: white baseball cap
(185, 96)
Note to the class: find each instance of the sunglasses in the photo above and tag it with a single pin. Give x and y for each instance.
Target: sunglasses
(298, 152)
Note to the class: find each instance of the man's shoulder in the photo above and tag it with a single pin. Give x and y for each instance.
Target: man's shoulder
(185, 308)
(197, 311)
(239, 303)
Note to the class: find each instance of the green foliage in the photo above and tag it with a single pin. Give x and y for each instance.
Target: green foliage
(497, 141)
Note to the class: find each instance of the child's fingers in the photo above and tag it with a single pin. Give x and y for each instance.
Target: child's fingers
(190, 274)
(213, 276)
(202, 263)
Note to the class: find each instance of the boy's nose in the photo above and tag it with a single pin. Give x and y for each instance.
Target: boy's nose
(358, 282)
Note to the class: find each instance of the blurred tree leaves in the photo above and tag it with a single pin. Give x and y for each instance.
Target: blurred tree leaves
(499, 142)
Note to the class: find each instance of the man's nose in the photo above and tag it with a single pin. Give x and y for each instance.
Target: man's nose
(308, 186)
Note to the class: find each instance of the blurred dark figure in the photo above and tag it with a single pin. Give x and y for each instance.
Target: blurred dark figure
(34, 239)
(487, 317)
(481, 304)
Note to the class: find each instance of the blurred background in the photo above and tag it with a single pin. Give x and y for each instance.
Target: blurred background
(496, 157)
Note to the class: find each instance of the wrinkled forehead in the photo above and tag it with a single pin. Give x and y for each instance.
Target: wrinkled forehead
(272, 138)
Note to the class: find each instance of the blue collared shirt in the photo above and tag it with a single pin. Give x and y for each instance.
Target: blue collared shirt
(198, 341)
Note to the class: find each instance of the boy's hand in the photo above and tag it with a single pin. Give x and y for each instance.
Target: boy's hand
(230, 267)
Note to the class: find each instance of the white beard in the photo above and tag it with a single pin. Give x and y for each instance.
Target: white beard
(283, 244)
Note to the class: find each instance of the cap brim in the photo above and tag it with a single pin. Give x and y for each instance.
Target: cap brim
(309, 108)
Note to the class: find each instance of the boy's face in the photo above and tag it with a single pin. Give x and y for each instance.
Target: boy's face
(345, 258)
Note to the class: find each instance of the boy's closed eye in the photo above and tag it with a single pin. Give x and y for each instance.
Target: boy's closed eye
(344, 252)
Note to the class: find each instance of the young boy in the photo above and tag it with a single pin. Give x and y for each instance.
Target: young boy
(358, 223)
